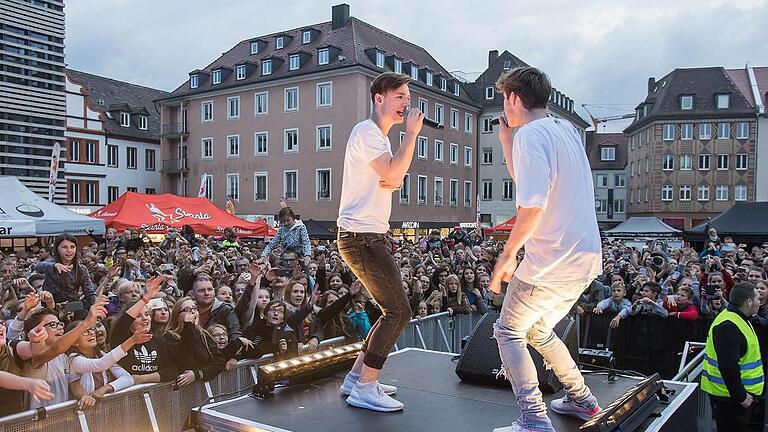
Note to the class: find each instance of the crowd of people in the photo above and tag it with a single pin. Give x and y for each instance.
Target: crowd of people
(82, 320)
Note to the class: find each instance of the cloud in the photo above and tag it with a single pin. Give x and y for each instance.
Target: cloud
(597, 51)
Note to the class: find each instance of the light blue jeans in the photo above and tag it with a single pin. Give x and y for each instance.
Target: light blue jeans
(528, 315)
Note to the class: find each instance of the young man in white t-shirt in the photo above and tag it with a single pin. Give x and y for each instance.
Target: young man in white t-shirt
(371, 174)
(556, 223)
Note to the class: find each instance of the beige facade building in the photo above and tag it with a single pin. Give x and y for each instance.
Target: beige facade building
(270, 118)
(692, 146)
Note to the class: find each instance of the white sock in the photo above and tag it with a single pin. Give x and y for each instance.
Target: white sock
(353, 376)
(365, 387)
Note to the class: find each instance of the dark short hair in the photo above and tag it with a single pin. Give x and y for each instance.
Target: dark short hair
(36, 318)
(530, 84)
(387, 81)
(286, 211)
(740, 293)
(653, 286)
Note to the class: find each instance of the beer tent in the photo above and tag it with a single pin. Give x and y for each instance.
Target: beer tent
(24, 213)
(156, 213)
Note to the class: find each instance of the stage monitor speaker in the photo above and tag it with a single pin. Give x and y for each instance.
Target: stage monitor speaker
(480, 361)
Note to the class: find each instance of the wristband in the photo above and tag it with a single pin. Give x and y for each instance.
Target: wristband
(145, 300)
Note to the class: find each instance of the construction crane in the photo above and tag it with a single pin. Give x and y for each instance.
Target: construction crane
(597, 120)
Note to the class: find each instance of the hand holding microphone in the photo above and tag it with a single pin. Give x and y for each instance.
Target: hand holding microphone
(427, 121)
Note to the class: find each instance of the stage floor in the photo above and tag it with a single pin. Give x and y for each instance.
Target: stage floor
(434, 397)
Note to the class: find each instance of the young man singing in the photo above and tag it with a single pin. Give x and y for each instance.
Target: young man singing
(557, 225)
(371, 174)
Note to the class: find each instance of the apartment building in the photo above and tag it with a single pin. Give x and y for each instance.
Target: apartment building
(270, 118)
(495, 186)
(112, 140)
(693, 145)
(33, 107)
(607, 154)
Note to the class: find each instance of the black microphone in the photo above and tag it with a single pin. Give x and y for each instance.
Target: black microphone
(427, 121)
(496, 120)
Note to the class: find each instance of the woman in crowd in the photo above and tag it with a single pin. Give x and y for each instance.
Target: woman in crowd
(196, 353)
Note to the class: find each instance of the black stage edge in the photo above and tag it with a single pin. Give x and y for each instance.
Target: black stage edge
(435, 400)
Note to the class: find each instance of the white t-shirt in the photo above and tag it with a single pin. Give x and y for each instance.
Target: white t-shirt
(364, 206)
(551, 171)
(57, 374)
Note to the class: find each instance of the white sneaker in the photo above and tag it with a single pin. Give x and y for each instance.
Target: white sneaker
(568, 407)
(371, 396)
(351, 379)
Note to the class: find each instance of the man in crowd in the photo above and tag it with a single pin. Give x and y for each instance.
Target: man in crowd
(733, 371)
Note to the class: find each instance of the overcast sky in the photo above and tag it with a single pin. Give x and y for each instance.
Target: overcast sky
(598, 52)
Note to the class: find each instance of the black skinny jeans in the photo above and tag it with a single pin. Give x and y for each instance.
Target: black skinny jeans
(370, 258)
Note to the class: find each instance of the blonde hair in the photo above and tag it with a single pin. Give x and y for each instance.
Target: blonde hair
(173, 327)
(452, 278)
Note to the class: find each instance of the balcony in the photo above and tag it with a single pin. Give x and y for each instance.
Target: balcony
(174, 130)
(175, 166)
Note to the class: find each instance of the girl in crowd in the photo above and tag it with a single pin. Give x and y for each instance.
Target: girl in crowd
(151, 361)
(89, 366)
(197, 354)
(273, 335)
(455, 300)
(65, 276)
(470, 286)
(161, 314)
(224, 294)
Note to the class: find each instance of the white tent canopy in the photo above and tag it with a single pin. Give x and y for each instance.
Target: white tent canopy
(23, 213)
(643, 227)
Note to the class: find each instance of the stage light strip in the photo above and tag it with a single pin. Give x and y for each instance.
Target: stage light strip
(285, 369)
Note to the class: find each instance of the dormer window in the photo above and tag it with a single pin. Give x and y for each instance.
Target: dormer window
(125, 119)
(254, 47)
(193, 81)
(686, 102)
(216, 77)
(414, 73)
(489, 93)
(443, 84)
(379, 59)
(723, 101)
(507, 64)
(323, 56)
(456, 89)
(397, 65)
(266, 67)
(293, 62)
(143, 122)
(306, 37)
(240, 72)
(279, 42)
(428, 77)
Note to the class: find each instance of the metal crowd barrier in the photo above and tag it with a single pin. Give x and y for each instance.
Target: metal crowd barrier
(158, 407)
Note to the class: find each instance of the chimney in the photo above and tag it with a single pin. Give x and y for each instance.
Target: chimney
(339, 16)
(492, 56)
(651, 84)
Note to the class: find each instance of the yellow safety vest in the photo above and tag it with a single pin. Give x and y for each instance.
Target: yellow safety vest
(752, 377)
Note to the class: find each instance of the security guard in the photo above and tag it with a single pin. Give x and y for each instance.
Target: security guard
(733, 370)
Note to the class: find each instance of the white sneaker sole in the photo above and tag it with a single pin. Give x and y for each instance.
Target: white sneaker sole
(362, 404)
(346, 391)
